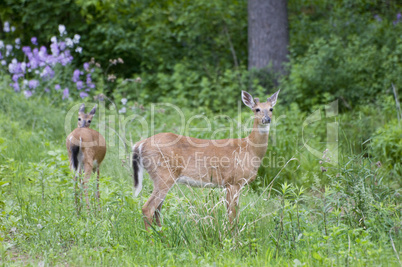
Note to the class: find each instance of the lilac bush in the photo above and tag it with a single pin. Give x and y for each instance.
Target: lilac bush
(37, 69)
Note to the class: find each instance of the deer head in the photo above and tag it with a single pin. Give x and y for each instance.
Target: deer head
(84, 120)
(262, 110)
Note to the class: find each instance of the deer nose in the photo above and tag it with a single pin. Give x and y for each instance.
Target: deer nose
(266, 120)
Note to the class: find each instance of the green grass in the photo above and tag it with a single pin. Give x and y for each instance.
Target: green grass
(349, 215)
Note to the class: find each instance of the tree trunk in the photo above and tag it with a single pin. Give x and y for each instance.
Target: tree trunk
(268, 36)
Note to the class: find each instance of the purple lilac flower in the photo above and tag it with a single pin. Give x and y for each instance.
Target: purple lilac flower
(77, 38)
(33, 63)
(14, 66)
(65, 58)
(55, 49)
(398, 18)
(47, 73)
(16, 86)
(377, 17)
(26, 50)
(9, 48)
(62, 46)
(34, 40)
(47, 90)
(3, 62)
(42, 55)
(17, 76)
(1, 44)
(1, 57)
(86, 66)
(83, 95)
(28, 93)
(66, 93)
(62, 29)
(69, 42)
(76, 75)
(57, 87)
(6, 27)
(80, 85)
(33, 84)
(23, 66)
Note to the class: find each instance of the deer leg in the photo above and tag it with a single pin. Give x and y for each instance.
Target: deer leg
(78, 187)
(76, 191)
(150, 207)
(162, 186)
(158, 214)
(87, 176)
(97, 188)
(232, 200)
(80, 172)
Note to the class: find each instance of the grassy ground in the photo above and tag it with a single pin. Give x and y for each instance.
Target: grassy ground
(349, 215)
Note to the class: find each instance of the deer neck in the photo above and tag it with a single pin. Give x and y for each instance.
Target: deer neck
(258, 138)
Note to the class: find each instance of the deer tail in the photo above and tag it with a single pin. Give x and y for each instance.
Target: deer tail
(138, 169)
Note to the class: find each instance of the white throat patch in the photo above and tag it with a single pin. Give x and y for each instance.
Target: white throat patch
(263, 129)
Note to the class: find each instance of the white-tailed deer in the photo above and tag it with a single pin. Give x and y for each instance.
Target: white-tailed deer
(229, 163)
(86, 151)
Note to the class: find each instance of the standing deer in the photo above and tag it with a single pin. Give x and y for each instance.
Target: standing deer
(229, 163)
(86, 151)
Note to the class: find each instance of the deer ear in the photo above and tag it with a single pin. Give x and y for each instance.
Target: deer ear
(273, 98)
(247, 99)
(93, 111)
(82, 109)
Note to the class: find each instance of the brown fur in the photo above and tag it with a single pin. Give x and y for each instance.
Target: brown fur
(168, 157)
(91, 148)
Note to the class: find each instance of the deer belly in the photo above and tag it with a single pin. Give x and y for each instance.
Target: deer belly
(194, 182)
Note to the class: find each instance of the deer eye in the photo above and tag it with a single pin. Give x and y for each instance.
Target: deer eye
(89, 121)
(271, 109)
(79, 119)
(257, 110)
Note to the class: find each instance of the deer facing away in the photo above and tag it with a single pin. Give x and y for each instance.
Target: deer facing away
(86, 151)
(229, 163)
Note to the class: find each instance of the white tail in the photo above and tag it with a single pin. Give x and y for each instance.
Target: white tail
(227, 163)
(86, 151)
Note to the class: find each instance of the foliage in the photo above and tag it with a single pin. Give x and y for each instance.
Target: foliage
(301, 210)
(354, 58)
(387, 146)
(350, 218)
(151, 35)
(51, 73)
(343, 50)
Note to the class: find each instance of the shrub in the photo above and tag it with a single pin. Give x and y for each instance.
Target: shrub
(345, 50)
(36, 70)
(386, 147)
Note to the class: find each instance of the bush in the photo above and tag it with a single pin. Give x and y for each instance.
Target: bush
(188, 87)
(386, 147)
(343, 50)
(354, 71)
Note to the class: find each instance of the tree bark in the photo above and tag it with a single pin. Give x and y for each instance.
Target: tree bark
(268, 36)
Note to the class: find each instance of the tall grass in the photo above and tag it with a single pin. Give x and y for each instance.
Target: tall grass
(347, 215)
